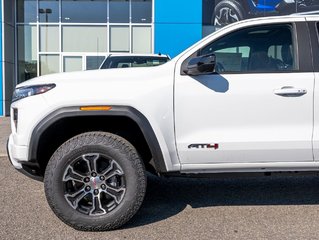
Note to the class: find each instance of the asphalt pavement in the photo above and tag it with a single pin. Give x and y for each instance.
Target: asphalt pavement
(4, 134)
(175, 208)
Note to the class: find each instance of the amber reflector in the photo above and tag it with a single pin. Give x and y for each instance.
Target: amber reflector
(96, 108)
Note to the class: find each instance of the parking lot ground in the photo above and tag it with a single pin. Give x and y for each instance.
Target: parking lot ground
(4, 134)
(179, 208)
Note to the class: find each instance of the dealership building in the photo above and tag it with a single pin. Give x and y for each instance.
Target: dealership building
(40, 37)
(48, 36)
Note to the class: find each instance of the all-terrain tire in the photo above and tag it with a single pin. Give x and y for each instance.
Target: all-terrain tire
(95, 149)
(227, 12)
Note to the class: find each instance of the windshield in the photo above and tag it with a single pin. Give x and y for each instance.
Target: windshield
(133, 61)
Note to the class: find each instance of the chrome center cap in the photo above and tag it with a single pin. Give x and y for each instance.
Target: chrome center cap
(95, 183)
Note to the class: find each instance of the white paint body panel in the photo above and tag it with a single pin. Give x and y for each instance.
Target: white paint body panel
(316, 121)
(245, 117)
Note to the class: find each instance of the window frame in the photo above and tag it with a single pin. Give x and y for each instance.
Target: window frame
(297, 38)
(314, 36)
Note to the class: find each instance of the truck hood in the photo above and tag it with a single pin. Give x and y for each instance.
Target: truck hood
(133, 87)
(99, 77)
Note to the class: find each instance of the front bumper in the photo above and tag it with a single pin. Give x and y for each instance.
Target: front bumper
(17, 158)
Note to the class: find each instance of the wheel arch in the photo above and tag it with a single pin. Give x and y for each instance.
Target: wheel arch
(72, 117)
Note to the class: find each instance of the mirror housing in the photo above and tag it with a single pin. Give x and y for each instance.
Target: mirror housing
(201, 65)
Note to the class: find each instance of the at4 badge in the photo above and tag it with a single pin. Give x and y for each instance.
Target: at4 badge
(204, 145)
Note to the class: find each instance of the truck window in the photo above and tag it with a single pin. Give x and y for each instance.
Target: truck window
(256, 49)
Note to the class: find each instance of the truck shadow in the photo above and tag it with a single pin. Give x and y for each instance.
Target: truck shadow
(214, 82)
(168, 197)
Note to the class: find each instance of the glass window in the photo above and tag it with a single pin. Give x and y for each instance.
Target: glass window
(133, 61)
(94, 62)
(84, 39)
(84, 11)
(72, 63)
(256, 49)
(141, 11)
(49, 64)
(49, 38)
(275, 52)
(27, 52)
(142, 39)
(119, 11)
(232, 59)
(119, 39)
(26, 11)
(48, 11)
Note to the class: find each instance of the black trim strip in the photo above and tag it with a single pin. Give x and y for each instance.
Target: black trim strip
(30, 170)
(124, 111)
(304, 47)
(8, 152)
(314, 36)
(31, 173)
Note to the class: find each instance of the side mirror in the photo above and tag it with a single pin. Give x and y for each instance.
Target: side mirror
(201, 65)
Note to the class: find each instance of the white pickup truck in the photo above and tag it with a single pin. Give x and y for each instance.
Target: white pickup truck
(244, 100)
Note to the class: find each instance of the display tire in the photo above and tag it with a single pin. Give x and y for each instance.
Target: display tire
(122, 156)
(226, 12)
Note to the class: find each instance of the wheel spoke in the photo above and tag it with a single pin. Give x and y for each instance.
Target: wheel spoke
(116, 194)
(109, 168)
(218, 20)
(97, 208)
(225, 16)
(112, 170)
(71, 174)
(118, 190)
(233, 16)
(90, 160)
(114, 173)
(76, 197)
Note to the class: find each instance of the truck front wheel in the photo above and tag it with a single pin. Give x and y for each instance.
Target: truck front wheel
(95, 181)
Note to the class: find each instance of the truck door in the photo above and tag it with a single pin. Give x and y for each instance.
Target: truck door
(257, 107)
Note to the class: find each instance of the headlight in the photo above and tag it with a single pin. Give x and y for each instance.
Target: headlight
(28, 91)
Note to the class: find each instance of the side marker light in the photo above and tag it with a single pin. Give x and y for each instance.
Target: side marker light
(95, 108)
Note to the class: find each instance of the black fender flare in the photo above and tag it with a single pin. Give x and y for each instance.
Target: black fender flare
(124, 111)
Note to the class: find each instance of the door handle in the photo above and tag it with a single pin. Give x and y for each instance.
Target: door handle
(290, 91)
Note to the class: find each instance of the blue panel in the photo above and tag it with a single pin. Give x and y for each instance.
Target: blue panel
(178, 24)
(1, 75)
(178, 11)
(172, 39)
(265, 8)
